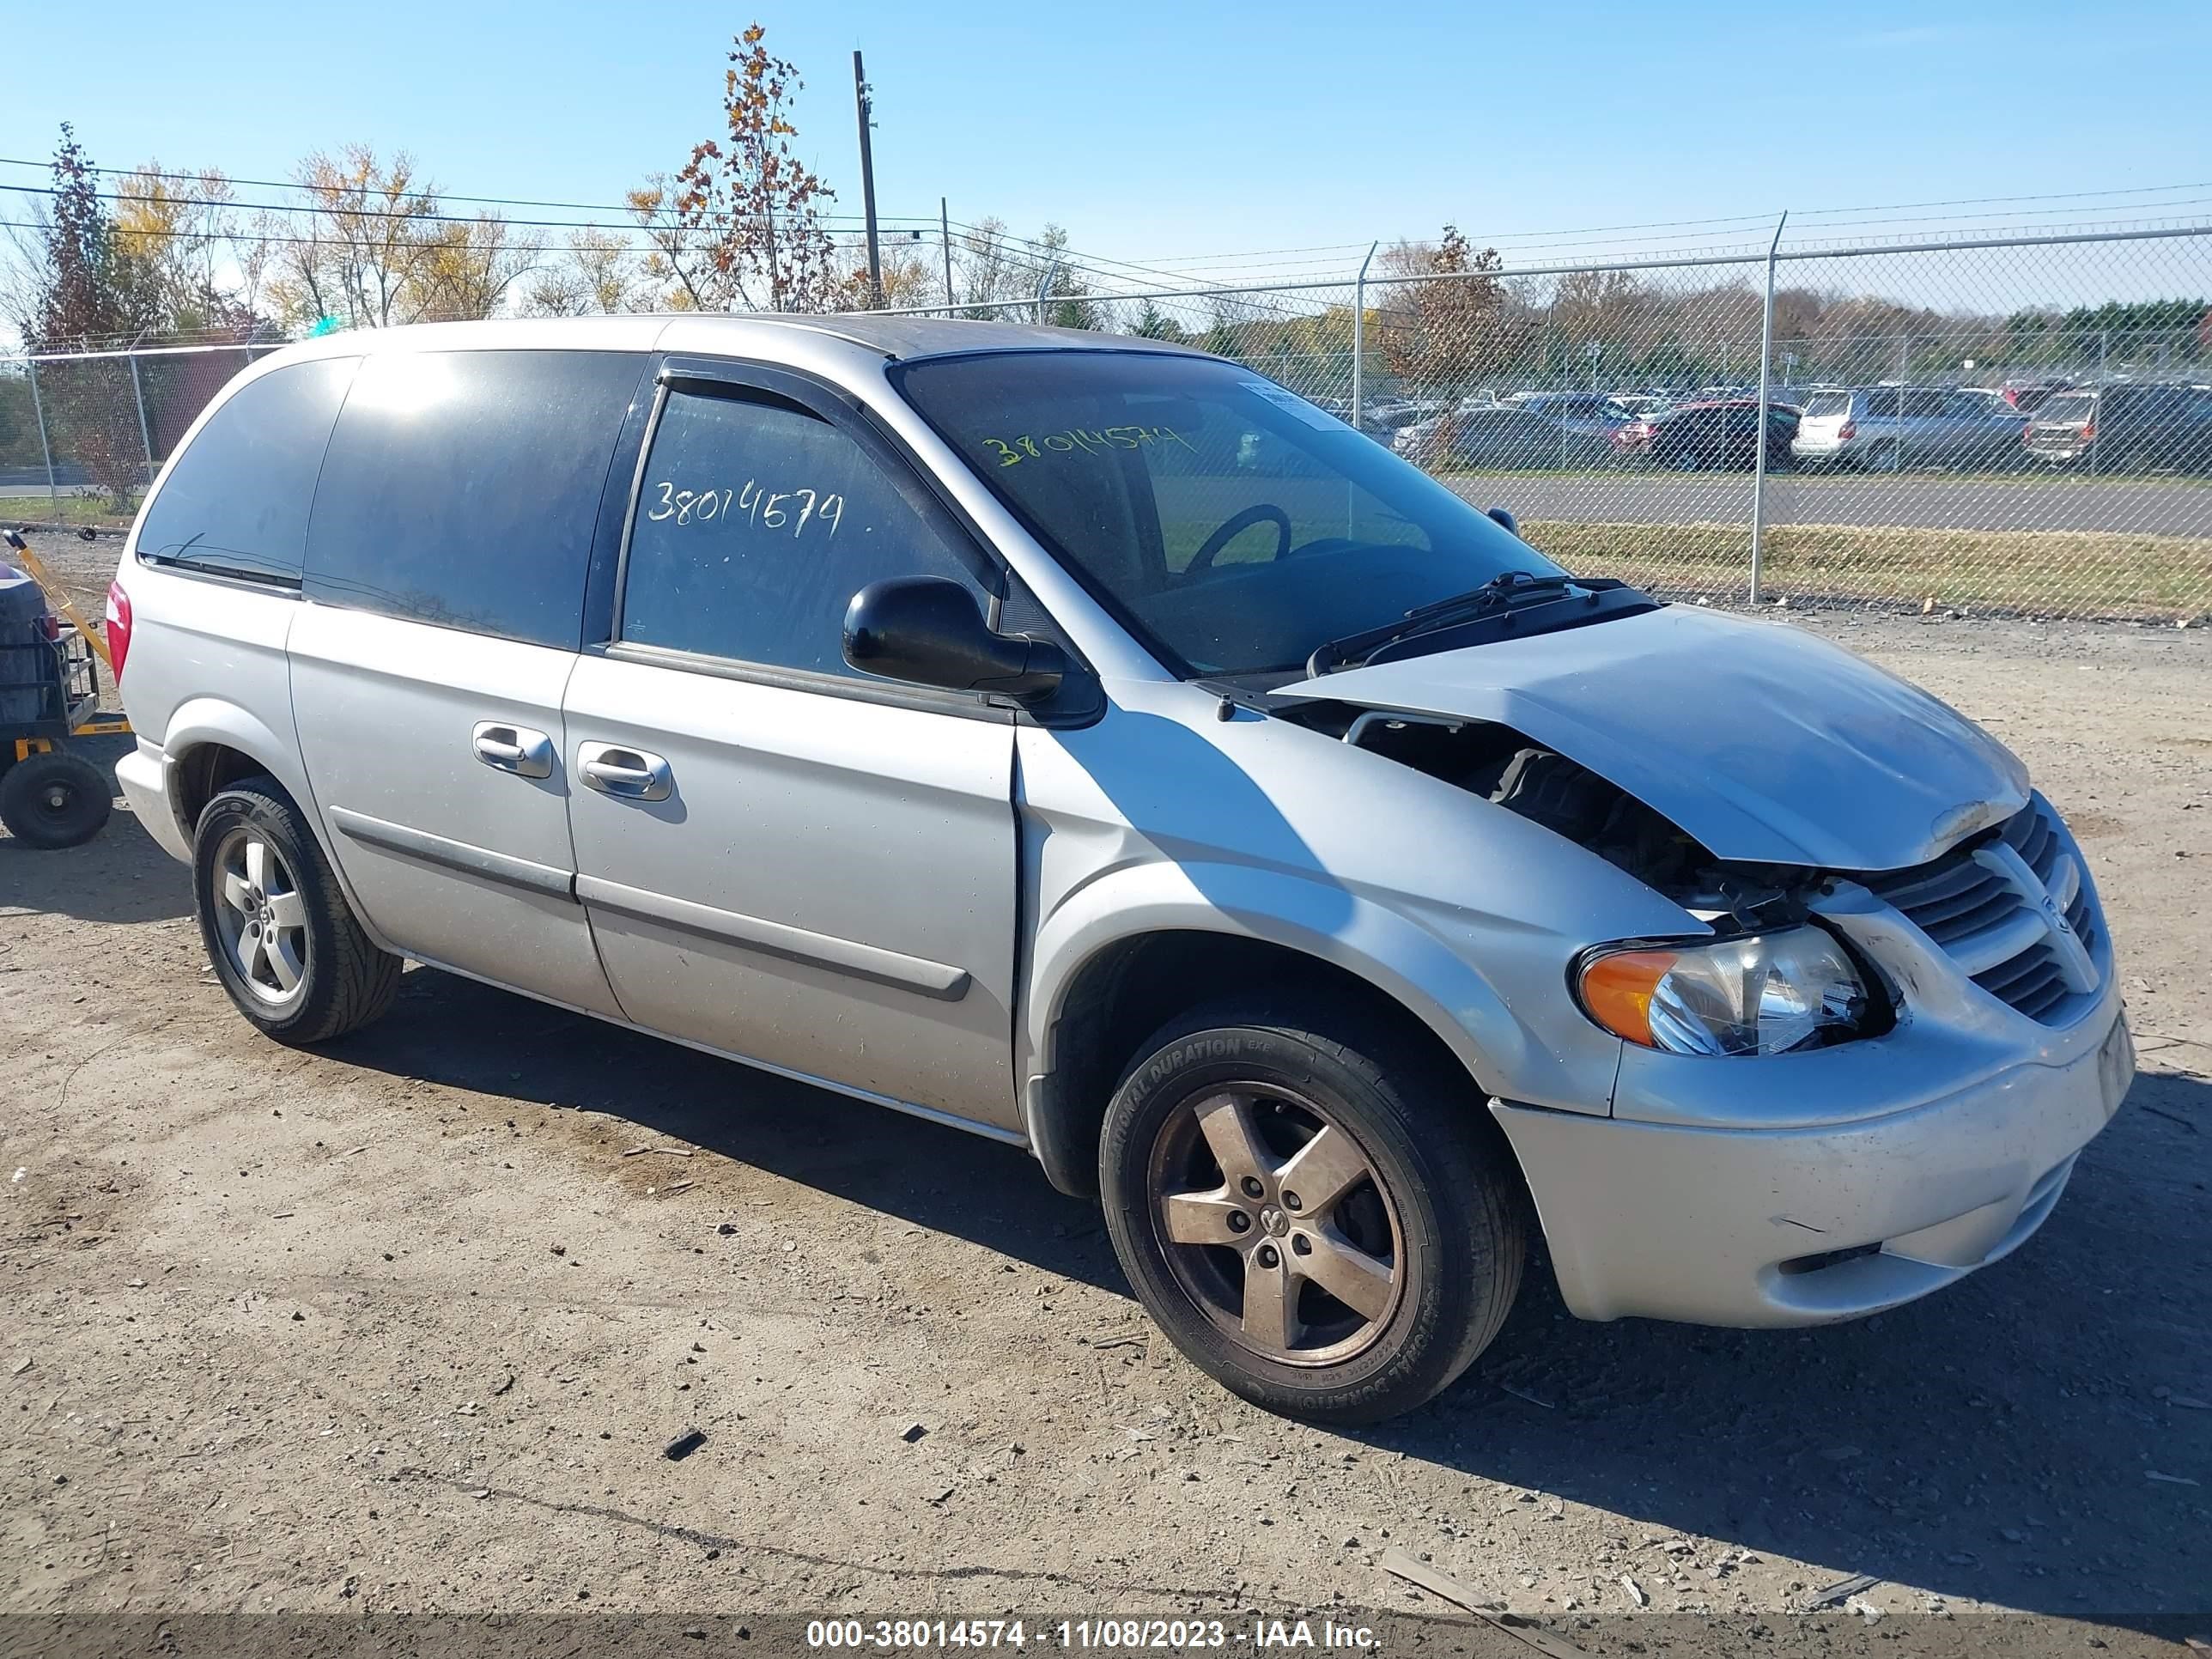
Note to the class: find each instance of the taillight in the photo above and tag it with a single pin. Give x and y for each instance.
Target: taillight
(2088, 430)
(119, 628)
(1847, 431)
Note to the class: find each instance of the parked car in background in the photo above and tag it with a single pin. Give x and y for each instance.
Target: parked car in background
(1716, 433)
(1586, 413)
(2125, 428)
(2028, 396)
(1888, 428)
(1381, 420)
(1508, 437)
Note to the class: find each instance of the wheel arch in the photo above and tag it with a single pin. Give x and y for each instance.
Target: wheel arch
(212, 744)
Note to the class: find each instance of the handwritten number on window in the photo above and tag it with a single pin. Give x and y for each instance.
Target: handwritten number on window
(1088, 441)
(793, 510)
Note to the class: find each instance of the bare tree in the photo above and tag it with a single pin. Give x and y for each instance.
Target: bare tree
(989, 268)
(599, 274)
(466, 271)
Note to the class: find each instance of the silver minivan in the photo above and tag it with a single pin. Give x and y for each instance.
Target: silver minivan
(1088, 744)
(1891, 428)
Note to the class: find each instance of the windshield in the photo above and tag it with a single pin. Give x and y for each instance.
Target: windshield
(2068, 407)
(1821, 405)
(1231, 526)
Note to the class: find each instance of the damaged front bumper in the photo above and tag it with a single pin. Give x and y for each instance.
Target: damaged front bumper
(1678, 1212)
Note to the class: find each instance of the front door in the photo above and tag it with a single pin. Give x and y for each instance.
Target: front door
(782, 858)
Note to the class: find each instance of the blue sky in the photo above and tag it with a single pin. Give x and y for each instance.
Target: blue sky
(1178, 131)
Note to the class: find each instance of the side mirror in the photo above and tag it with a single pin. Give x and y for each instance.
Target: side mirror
(930, 631)
(1505, 517)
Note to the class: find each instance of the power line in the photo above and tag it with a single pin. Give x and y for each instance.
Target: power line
(411, 215)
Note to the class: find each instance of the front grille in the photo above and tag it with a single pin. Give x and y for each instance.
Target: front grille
(1982, 904)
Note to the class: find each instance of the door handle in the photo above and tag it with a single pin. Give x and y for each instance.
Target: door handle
(627, 774)
(515, 749)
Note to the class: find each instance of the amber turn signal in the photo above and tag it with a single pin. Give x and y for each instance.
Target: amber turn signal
(1618, 989)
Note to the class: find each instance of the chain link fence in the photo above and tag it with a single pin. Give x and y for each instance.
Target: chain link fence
(2016, 426)
(82, 433)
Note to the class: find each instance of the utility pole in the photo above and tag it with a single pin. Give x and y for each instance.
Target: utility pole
(866, 107)
(945, 232)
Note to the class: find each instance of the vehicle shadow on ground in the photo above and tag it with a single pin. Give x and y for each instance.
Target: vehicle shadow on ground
(119, 875)
(1978, 1444)
(448, 1029)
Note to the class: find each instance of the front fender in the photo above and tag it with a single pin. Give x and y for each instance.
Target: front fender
(1388, 950)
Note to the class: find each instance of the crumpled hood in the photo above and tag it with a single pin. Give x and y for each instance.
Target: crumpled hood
(1767, 745)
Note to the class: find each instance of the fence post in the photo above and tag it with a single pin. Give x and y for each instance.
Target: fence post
(1759, 437)
(45, 449)
(145, 433)
(1044, 285)
(1903, 379)
(2104, 342)
(1359, 335)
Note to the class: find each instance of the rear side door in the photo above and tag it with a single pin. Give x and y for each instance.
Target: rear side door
(782, 859)
(446, 570)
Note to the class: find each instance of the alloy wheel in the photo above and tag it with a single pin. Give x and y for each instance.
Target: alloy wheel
(261, 917)
(1275, 1223)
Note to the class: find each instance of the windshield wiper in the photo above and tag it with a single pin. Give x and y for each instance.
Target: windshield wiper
(1500, 590)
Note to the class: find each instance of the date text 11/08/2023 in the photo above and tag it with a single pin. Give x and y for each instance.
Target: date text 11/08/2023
(1087, 1635)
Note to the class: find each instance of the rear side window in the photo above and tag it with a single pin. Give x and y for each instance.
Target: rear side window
(462, 487)
(757, 524)
(236, 501)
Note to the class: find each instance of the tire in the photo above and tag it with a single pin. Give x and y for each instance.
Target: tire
(55, 799)
(1437, 1205)
(315, 975)
(1884, 457)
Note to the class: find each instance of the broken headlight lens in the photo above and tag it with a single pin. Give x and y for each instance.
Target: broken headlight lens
(1765, 993)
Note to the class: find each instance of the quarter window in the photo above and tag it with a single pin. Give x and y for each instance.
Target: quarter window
(462, 487)
(756, 523)
(236, 500)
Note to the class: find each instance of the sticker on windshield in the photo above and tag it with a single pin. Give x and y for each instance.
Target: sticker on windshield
(1290, 404)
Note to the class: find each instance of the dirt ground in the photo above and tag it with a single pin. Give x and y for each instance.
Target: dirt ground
(402, 1326)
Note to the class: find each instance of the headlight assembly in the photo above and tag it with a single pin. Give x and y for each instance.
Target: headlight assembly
(1765, 993)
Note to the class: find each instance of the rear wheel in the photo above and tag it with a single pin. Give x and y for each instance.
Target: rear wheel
(1330, 1237)
(277, 926)
(55, 799)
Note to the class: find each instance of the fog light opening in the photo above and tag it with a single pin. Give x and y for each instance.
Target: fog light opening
(1825, 1259)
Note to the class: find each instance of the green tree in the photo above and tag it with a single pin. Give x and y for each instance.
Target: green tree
(88, 293)
(1067, 304)
(87, 290)
(1154, 323)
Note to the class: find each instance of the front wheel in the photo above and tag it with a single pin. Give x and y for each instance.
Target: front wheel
(1330, 1237)
(278, 928)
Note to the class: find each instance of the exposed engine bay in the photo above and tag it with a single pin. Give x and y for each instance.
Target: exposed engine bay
(1511, 770)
